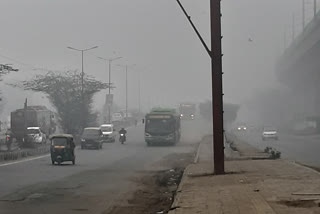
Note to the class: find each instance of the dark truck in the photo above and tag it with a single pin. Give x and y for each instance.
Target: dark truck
(32, 116)
(162, 126)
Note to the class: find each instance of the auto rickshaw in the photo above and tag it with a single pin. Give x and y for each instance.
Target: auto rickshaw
(62, 148)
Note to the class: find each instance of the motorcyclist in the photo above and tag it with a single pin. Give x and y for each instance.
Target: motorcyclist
(9, 138)
(124, 132)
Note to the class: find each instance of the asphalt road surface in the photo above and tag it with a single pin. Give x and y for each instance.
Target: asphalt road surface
(35, 186)
(303, 149)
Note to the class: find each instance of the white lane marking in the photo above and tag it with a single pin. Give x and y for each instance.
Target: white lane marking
(25, 160)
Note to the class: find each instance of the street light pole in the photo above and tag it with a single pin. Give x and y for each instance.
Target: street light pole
(109, 82)
(303, 14)
(126, 91)
(82, 78)
(126, 67)
(315, 8)
(139, 93)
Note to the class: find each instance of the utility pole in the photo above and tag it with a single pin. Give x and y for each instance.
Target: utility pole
(217, 95)
(216, 73)
(109, 83)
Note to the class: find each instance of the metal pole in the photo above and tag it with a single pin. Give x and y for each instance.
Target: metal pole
(293, 28)
(109, 104)
(82, 95)
(285, 39)
(303, 15)
(217, 96)
(126, 91)
(139, 92)
(314, 8)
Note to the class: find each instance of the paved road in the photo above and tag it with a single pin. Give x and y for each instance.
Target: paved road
(303, 149)
(115, 163)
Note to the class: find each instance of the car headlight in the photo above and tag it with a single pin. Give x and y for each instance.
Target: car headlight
(83, 140)
(239, 128)
(245, 128)
(181, 115)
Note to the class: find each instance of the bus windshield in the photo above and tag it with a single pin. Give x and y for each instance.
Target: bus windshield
(159, 125)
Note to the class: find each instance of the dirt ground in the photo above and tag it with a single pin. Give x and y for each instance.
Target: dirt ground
(157, 189)
(149, 191)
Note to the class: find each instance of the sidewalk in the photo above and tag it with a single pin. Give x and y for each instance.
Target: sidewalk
(249, 186)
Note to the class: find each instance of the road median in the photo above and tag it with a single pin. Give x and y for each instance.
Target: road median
(249, 186)
(23, 153)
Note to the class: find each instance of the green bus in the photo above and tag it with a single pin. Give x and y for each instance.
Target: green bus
(162, 126)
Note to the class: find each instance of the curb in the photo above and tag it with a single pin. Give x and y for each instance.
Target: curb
(177, 194)
(184, 176)
(196, 158)
(302, 166)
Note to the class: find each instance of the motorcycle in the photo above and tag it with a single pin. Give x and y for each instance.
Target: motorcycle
(122, 138)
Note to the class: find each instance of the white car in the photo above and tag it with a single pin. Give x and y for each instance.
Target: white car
(36, 135)
(109, 134)
(270, 133)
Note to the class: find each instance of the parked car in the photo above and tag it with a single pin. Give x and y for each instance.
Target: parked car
(109, 133)
(35, 135)
(269, 133)
(92, 137)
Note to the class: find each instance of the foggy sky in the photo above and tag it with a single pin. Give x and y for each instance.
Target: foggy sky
(154, 35)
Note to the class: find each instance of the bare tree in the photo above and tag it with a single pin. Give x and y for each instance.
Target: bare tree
(64, 90)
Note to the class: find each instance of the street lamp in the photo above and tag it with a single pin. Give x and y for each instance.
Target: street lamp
(126, 67)
(110, 61)
(82, 75)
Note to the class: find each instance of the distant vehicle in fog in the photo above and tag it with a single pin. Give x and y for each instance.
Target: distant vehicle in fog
(187, 111)
(269, 133)
(32, 116)
(109, 134)
(92, 137)
(117, 116)
(35, 135)
(162, 125)
(242, 128)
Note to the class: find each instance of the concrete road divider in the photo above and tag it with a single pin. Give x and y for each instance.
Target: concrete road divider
(23, 153)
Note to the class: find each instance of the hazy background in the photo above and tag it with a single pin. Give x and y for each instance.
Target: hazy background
(154, 35)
